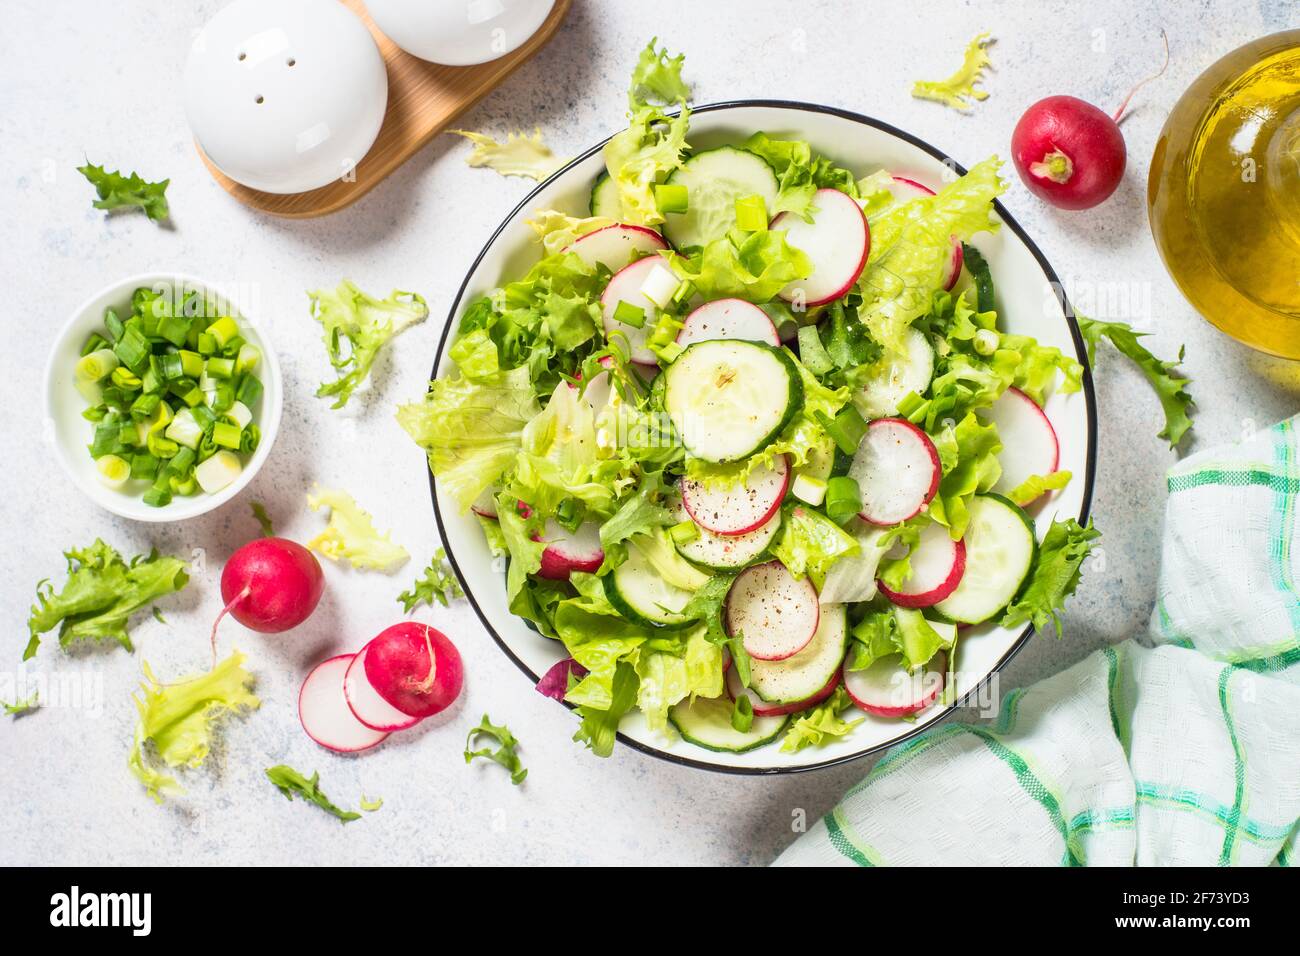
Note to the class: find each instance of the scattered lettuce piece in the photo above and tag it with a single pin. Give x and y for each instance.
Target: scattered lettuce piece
(657, 78)
(122, 192)
(555, 230)
(366, 324)
(1035, 485)
(816, 726)
(20, 707)
(351, 534)
(471, 430)
(100, 595)
(179, 720)
(1169, 384)
(519, 155)
(958, 90)
(289, 782)
(438, 583)
(1055, 576)
(370, 806)
(505, 754)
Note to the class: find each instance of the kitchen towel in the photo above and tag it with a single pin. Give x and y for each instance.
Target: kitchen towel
(1178, 748)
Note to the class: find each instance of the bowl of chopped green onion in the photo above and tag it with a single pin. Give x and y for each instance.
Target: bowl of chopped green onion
(163, 397)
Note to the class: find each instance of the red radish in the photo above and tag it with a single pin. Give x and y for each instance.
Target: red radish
(737, 510)
(625, 286)
(897, 470)
(886, 690)
(485, 505)
(366, 704)
(1029, 443)
(775, 613)
(1068, 152)
(415, 668)
(568, 551)
(837, 241)
(615, 246)
(937, 562)
(324, 713)
(903, 190)
(269, 585)
(555, 682)
(763, 709)
(728, 319)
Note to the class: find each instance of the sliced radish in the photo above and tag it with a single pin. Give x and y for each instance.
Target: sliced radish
(728, 319)
(763, 709)
(886, 690)
(1029, 445)
(904, 190)
(568, 551)
(615, 246)
(366, 704)
(738, 509)
(625, 286)
(485, 505)
(937, 562)
(897, 471)
(324, 712)
(837, 241)
(775, 613)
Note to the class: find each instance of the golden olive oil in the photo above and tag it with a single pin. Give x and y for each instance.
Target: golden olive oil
(1224, 194)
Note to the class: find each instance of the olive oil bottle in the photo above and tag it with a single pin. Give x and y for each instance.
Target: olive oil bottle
(1224, 194)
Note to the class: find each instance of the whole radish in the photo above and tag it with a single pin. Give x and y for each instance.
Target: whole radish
(415, 668)
(270, 585)
(1068, 152)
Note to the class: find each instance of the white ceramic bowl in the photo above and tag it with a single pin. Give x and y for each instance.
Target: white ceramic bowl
(71, 433)
(1030, 301)
(285, 95)
(459, 32)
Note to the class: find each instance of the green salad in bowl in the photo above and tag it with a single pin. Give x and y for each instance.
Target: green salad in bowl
(757, 451)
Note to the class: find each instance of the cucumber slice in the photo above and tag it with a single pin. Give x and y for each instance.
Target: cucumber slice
(714, 180)
(896, 376)
(637, 592)
(729, 398)
(727, 552)
(706, 722)
(1000, 551)
(604, 199)
(803, 675)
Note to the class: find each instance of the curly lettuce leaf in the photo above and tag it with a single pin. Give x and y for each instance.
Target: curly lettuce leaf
(810, 543)
(755, 269)
(471, 431)
(818, 725)
(22, 706)
(520, 155)
(800, 173)
(1035, 486)
(599, 727)
(290, 783)
(1056, 574)
(177, 720)
(1169, 384)
(100, 595)
(657, 78)
(911, 246)
(357, 325)
(116, 191)
(438, 583)
(693, 668)
(556, 230)
(958, 90)
(598, 638)
(968, 454)
(505, 753)
(351, 534)
(640, 512)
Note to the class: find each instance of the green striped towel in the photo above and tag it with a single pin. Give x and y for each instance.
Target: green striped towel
(1182, 748)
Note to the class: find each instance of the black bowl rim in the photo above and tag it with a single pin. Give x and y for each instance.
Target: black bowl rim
(1079, 348)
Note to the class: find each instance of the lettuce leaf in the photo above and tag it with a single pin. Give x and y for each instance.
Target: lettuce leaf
(351, 534)
(506, 753)
(1169, 384)
(365, 323)
(100, 595)
(666, 677)
(1036, 485)
(638, 513)
(810, 543)
(657, 78)
(599, 727)
(1056, 574)
(116, 191)
(958, 90)
(598, 638)
(852, 578)
(556, 231)
(178, 719)
(470, 430)
(968, 454)
(756, 269)
(519, 155)
(289, 782)
(800, 173)
(815, 727)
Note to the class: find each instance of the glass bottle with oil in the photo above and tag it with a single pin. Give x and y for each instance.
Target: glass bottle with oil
(1224, 194)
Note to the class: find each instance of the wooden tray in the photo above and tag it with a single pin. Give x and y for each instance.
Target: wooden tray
(423, 99)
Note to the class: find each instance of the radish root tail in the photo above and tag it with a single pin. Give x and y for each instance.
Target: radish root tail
(1119, 113)
(426, 685)
(224, 611)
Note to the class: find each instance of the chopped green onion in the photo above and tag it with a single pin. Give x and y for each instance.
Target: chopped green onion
(160, 493)
(130, 434)
(184, 430)
(145, 405)
(160, 446)
(113, 471)
(221, 367)
(94, 413)
(672, 198)
(843, 499)
(684, 292)
(629, 314)
(174, 328)
(223, 331)
(846, 429)
(144, 465)
(742, 714)
(105, 439)
(910, 404)
(187, 392)
(751, 213)
(239, 414)
(684, 533)
(665, 331)
(812, 353)
(206, 344)
(97, 366)
(95, 343)
(986, 342)
(217, 472)
(182, 461)
(223, 398)
(186, 486)
(669, 352)
(251, 436)
(113, 324)
(171, 366)
(227, 435)
(249, 356)
(205, 416)
(191, 363)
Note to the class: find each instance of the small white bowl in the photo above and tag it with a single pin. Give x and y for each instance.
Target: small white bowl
(70, 433)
